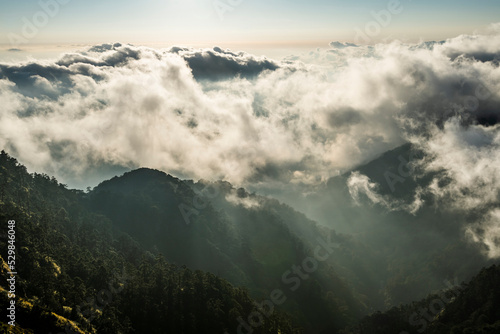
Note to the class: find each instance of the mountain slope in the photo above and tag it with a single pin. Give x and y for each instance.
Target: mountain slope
(465, 308)
(77, 275)
(406, 255)
(77, 245)
(249, 240)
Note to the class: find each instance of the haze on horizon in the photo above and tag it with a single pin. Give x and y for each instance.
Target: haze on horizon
(258, 26)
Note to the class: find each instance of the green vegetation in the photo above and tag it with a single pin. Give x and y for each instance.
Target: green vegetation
(249, 245)
(75, 274)
(466, 308)
(123, 258)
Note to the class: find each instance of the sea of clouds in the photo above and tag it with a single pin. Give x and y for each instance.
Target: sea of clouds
(219, 114)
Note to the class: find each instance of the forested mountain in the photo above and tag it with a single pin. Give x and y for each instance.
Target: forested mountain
(407, 254)
(465, 308)
(146, 252)
(76, 274)
(249, 240)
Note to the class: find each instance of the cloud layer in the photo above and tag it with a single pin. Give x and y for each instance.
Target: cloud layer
(218, 114)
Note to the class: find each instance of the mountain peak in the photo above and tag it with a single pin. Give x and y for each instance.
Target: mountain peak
(140, 178)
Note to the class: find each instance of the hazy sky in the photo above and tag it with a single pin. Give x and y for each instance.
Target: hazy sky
(236, 23)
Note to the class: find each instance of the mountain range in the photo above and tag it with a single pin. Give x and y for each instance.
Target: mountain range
(148, 252)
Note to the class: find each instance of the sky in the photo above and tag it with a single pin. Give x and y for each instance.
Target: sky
(48, 25)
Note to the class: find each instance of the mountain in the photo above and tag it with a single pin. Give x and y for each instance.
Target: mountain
(405, 255)
(249, 240)
(139, 220)
(465, 308)
(76, 274)
(150, 253)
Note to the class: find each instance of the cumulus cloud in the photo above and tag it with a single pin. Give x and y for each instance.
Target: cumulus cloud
(212, 64)
(340, 45)
(469, 157)
(215, 113)
(130, 106)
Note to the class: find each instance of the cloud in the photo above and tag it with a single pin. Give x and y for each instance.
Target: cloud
(340, 45)
(104, 47)
(345, 117)
(241, 197)
(487, 232)
(223, 64)
(469, 157)
(360, 185)
(472, 46)
(215, 113)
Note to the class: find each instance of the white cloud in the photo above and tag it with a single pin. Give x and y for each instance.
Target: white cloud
(359, 184)
(487, 232)
(214, 113)
(470, 157)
